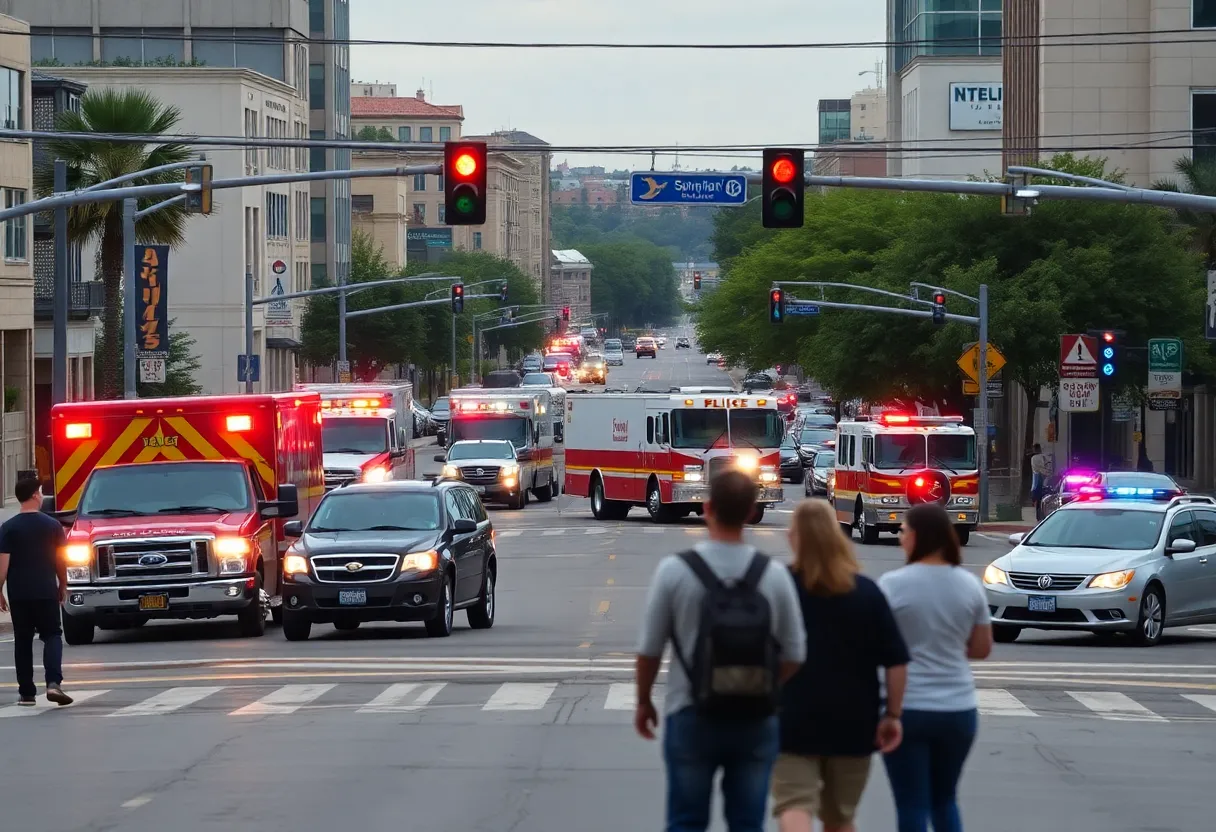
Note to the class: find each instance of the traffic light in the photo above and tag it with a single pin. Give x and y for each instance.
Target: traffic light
(502, 293)
(939, 308)
(1110, 354)
(776, 306)
(565, 313)
(557, 323)
(457, 298)
(199, 202)
(783, 188)
(464, 183)
(696, 281)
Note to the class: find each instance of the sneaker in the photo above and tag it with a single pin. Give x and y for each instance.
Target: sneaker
(26, 702)
(56, 695)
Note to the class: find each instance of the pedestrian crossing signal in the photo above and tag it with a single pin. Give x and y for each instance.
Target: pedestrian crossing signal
(776, 306)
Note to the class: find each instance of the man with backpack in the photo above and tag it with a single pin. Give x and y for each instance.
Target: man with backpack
(735, 626)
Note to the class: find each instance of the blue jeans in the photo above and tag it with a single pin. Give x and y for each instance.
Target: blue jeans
(925, 769)
(41, 617)
(695, 748)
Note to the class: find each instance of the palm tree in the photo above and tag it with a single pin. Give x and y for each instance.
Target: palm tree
(1197, 177)
(90, 161)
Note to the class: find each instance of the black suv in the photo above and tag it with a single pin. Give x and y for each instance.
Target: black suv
(391, 551)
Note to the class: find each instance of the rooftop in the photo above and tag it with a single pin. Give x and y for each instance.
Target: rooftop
(570, 257)
(415, 106)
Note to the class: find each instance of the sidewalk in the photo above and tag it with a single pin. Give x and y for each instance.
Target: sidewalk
(1013, 526)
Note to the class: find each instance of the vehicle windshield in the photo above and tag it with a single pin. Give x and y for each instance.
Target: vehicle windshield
(481, 450)
(1137, 479)
(816, 436)
(952, 452)
(440, 407)
(538, 379)
(556, 359)
(354, 435)
(174, 488)
(1098, 528)
(510, 428)
(365, 511)
(787, 442)
(749, 428)
(825, 459)
(897, 451)
(815, 420)
(612, 344)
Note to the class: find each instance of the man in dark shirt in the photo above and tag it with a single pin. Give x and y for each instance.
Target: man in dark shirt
(32, 564)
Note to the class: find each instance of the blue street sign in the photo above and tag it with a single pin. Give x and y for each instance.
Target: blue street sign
(651, 188)
(798, 307)
(255, 367)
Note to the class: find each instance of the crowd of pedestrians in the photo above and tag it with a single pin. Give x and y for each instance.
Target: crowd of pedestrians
(787, 679)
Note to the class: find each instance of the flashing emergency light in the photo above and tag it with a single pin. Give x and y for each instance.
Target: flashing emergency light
(921, 421)
(939, 308)
(464, 183)
(1095, 494)
(776, 306)
(1079, 478)
(457, 298)
(783, 187)
(238, 424)
(78, 430)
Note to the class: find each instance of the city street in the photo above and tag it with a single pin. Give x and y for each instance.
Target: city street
(527, 726)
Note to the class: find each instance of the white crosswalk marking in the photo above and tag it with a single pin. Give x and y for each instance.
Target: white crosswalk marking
(596, 531)
(407, 696)
(43, 705)
(1110, 704)
(520, 696)
(552, 532)
(997, 702)
(622, 696)
(286, 700)
(652, 531)
(1207, 700)
(167, 701)
(508, 532)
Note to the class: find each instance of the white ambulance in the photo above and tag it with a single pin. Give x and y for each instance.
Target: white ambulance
(523, 417)
(366, 431)
(660, 450)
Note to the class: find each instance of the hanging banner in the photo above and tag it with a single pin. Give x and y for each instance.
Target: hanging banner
(1079, 395)
(152, 302)
(278, 312)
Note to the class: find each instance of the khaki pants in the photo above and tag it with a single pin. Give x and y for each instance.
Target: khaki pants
(827, 787)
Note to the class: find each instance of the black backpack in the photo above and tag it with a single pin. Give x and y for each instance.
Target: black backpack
(734, 665)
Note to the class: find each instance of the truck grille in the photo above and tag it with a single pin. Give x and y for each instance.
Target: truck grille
(488, 474)
(717, 465)
(338, 477)
(333, 569)
(157, 559)
(1059, 583)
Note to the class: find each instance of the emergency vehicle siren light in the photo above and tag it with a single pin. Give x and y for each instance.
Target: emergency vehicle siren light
(905, 419)
(78, 430)
(238, 424)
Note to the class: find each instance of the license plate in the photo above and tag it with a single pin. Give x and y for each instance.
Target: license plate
(352, 597)
(481, 489)
(154, 602)
(1041, 603)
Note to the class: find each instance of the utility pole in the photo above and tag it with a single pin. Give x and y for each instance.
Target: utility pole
(249, 329)
(981, 416)
(130, 325)
(62, 298)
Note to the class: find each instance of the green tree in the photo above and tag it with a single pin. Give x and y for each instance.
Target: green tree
(92, 161)
(375, 134)
(1196, 178)
(633, 281)
(181, 369)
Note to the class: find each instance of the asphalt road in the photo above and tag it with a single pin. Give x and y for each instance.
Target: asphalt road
(527, 726)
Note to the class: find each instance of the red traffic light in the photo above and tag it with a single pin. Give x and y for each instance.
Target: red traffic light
(458, 290)
(784, 170)
(776, 295)
(1108, 337)
(465, 164)
(939, 298)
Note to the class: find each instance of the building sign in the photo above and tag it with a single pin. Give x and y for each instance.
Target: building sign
(975, 106)
(430, 237)
(152, 301)
(1078, 395)
(1164, 373)
(278, 312)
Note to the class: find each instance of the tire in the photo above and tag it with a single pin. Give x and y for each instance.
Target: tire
(520, 500)
(297, 626)
(276, 615)
(441, 625)
(806, 486)
(847, 529)
(78, 631)
(757, 516)
(545, 493)
(868, 534)
(346, 626)
(659, 512)
(964, 534)
(481, 615)
(252, 619)
(1004, 634)
(1151, 622)
(601, 507)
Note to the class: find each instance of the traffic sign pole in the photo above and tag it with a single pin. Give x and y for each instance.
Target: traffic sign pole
(981, 418)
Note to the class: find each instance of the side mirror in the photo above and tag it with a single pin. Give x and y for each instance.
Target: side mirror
(441, 457)
(287, 505)
(403, 438)
(48, 504)
(293, 528)
(463, 525)
(65, 518)
(1181, 546)
(1015, 539)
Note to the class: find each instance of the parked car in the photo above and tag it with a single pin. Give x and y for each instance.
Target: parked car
(791, 461)
(815, 481)
(424, 422)
(391, 551)
(713, 358)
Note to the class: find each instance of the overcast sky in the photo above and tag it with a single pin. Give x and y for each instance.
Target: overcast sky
(583, 97)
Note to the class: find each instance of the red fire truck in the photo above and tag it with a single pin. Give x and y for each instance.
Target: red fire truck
(177, 506)
(366, 431)
(888, 463)
(660, 450)
(522, 416)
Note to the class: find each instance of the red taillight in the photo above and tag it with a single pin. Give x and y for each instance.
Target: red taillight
(78, 430)
(919, 482)
(238, 424)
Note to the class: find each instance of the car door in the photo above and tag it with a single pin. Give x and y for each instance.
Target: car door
(464, 547)
(1205, 600)
(399, 454)
(1183, 574)
(483, 540)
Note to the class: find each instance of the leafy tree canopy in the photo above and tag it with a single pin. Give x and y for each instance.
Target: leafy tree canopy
(181, 368)
(634, 282)
(684, 234)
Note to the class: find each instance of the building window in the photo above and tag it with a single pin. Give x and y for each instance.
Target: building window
(318, 275)
(362, 203)
(403, 134)
(442, 213)
(419, 215)
(12, 98)
(276, 157)
(251, 131)
(316, 86)
(476, 241)
(1203, 14)
(316, 155)
(316, 16)
(445, 134)
(947, 27)
(419, 182)
(15, 229)
(1203, 123)
(440, 178)
(276, 216)
(317, 213)
(424, 134)
(302, 216)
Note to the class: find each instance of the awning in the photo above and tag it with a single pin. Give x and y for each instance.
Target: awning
(283, 344)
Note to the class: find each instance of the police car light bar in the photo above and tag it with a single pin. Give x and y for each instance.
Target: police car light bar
(1126, 492)
(905, 419)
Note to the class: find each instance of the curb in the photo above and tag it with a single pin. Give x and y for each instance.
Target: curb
(1003, 527)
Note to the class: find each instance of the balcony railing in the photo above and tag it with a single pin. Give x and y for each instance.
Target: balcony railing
(87, 300)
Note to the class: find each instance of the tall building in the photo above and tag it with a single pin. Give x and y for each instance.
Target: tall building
(859, 131)
(834, 118)
(330, 118)
(372, 89)
(944, 87)
(571, 283)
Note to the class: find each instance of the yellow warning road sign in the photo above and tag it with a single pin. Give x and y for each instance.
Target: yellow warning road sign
(969, 362)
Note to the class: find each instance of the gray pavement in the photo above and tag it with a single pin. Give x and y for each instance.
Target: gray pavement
(527, 726)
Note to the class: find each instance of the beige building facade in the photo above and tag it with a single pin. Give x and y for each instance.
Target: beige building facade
(263, 230)
(16, 268)
(570, 274)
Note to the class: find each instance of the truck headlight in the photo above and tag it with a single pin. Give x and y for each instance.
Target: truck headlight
(768, 473)
(993, 575)
(694, 473)
(295, 565)
(747, 463)
(451, 472)
(509, 470)
(78, 554)
(377, 474)
(420, 561)
(232, 547)
(78, 574)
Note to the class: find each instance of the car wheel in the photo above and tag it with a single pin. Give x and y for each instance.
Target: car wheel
(1004, 634)
(77, 630)
(441, 625)
(1151, 623)
(481, 615)
(867, 533)
(252, 619)
(659, 513)
(757, 516)
(297, 626)
(963, 533)
(546, 492)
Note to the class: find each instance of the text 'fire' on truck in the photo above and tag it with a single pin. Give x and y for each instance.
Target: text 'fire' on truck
(175, 507)
(889, 463)
(660, 451)
(365, 432)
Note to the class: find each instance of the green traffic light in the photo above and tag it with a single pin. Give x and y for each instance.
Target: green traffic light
(465, 204)
(783, 205)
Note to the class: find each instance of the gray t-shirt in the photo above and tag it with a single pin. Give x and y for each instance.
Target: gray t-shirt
(673, 606)
(937, 608)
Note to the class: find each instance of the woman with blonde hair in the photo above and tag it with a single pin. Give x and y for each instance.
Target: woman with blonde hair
(832, 717)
